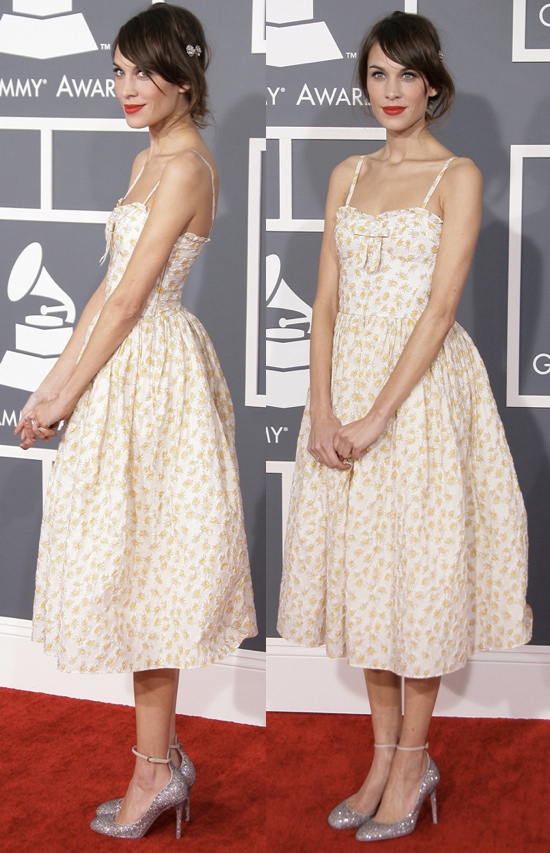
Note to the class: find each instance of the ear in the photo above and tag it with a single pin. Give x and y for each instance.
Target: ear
(432, 92)
(184, 88)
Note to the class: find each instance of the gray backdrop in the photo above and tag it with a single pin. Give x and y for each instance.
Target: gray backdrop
(500, 103)
(53, 107)
(64, 166)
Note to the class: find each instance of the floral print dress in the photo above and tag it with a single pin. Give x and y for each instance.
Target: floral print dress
(416, 557)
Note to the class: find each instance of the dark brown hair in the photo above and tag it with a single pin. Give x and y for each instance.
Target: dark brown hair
(156, 41)
(412, 41)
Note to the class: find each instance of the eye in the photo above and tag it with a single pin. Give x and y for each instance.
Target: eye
(142, 75)
(117, 72)
(377, 75)
(409, 75)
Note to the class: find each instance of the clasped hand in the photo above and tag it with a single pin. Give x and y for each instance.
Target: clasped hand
(40, 419)
(336, 446)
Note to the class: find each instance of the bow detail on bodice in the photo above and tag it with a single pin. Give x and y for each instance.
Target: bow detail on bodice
(370, 246)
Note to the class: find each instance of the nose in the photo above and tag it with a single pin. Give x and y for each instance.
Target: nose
(393, 88)
(127, 86)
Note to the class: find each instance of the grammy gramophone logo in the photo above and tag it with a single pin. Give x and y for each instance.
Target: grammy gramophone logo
(41, 339)
(294, 38)
(42, 29)
(287, 345)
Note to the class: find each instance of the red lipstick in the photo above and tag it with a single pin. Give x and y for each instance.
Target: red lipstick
(133, 108)
(393, 111)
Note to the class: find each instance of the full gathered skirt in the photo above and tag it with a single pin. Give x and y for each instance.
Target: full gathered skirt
(143, 560)
(415, 558)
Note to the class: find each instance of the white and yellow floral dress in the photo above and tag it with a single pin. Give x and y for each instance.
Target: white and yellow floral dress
(143, 560)
(416, 557)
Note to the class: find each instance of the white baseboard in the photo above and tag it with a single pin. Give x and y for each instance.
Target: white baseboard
(513, 684)
(232, 690)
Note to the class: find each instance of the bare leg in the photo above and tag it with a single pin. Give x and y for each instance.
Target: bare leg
(408, 768)
(174, 754)
(154, 692)
(384, 689)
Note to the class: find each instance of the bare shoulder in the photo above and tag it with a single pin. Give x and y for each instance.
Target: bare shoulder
(464, 172)
(345, 170)
(461, 191)
(140, 161)
(189, 168)
(342, 175)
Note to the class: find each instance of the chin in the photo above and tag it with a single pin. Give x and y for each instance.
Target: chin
(136, 121)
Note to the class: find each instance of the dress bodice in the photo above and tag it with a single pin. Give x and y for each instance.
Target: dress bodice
(123, 229)
(386, 260)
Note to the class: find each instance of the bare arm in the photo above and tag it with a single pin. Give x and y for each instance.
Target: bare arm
(184, 189)
(324, 423)
(461, 204)
(64, 366)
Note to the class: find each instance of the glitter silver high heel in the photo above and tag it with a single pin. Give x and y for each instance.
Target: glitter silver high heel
(174, 795)
(344, 817)
(187, 770)
(374, 831)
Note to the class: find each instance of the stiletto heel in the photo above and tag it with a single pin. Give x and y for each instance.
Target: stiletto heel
(374, 831)
(173, 795)
(433, 800)
(178, 819)
(344, 817)
(187, 770)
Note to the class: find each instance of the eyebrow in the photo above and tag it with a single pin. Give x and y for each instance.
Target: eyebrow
(117, 67)
(380, 68)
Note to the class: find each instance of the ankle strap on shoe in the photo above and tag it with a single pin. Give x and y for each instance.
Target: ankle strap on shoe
(385, 746)
(412, 748)
(150, 759)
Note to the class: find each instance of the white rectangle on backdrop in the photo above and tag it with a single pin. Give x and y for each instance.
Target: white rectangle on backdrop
(520, 52)
(518, 153)
(288, 11)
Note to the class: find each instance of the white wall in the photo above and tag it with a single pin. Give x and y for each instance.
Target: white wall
(233, 690)
(513, 684)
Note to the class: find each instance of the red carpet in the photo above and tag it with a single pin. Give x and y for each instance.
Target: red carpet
(493, 797)
(61, 757)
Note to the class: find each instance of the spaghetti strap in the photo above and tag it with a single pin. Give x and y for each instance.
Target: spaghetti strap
(355, 178)
(437, 180)
(134, 182)
(213, 182)
(155, 188)
(151, 193)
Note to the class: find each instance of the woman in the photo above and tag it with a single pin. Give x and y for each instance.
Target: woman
(143, 564)
(406, 543)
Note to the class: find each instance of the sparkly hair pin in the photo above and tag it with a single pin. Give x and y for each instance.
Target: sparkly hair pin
(193, 51)
(441, 56)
